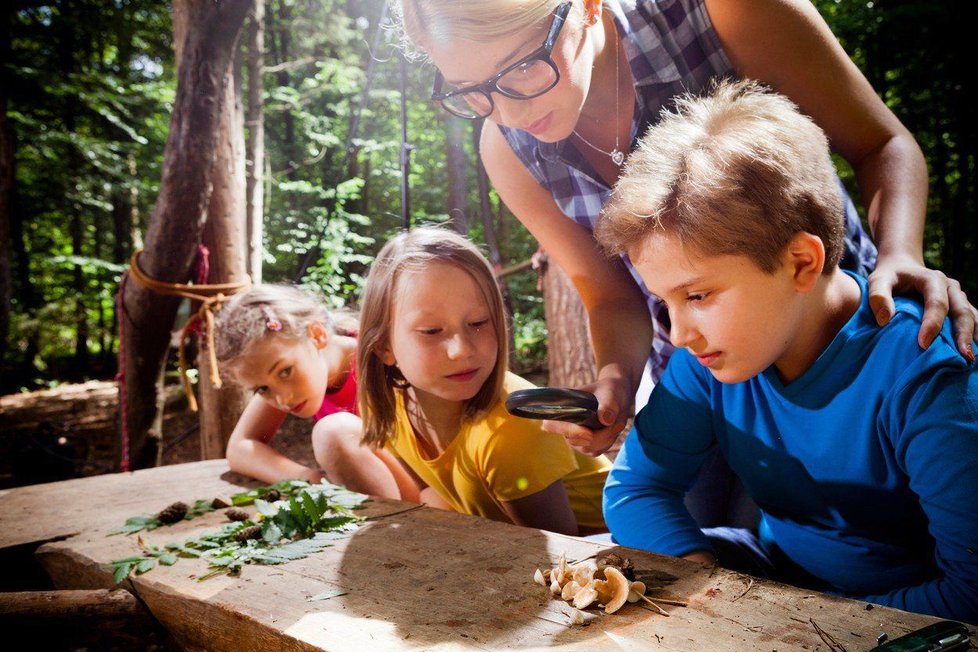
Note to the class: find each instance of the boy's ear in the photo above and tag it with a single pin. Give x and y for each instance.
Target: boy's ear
(318, 333)
(805, 257)
(592, 11)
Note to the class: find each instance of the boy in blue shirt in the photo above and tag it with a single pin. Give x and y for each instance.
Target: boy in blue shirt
(860, 448)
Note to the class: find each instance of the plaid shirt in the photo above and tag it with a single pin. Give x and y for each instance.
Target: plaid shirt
(672, 49)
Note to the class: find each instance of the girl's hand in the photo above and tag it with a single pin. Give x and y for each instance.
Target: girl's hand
(614, 408)
(941, 296)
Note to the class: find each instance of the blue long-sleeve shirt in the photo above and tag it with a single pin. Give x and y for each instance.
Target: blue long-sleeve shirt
(865, 468)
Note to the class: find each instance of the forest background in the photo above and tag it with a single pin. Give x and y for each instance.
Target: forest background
(86, 91)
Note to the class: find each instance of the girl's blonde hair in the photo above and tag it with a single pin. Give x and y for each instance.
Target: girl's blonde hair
(409, 252)
(264, 310)
(439, 21)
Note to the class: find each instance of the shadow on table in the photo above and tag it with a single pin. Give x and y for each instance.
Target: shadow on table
(437, 577)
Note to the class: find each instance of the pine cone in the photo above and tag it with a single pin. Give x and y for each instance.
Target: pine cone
(273, 495)
(235, 514)
(172, 514)
(624, 564)
(250, 532)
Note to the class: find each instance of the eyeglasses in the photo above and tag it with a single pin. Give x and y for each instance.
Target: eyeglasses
(530, 77)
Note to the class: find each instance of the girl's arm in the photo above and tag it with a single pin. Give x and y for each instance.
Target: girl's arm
(787, 44)
(249, 454)
(547, 509)
(620, 326)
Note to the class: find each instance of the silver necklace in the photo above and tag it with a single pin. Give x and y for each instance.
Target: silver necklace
(617, 156)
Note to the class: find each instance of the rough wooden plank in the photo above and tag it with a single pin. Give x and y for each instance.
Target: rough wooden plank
(57, 605)
(427, 579)
(57, 510)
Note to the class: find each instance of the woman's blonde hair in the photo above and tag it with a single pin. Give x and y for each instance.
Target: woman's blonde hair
(739, 171)
(409, 252)
(439, 21)
(267, 310)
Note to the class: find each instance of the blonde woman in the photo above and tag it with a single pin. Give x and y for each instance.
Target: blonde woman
(567, 87)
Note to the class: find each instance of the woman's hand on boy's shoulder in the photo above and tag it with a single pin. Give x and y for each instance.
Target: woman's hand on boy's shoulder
(942, 296)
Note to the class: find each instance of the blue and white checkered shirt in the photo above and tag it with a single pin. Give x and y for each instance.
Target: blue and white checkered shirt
(672, 49)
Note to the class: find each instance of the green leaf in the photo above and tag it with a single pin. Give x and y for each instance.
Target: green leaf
(310, 508)
(271, 533)
(168, 558)
(145, 565)
(295, 511)
(121, 572)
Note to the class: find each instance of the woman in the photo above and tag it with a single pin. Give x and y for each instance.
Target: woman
(567, 87)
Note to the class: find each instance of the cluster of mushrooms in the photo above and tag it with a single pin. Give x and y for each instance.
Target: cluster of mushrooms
(589, 581)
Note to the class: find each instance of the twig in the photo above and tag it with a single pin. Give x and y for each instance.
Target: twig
(403, 511)
(676, 603)
(750, 585)
(654, 605)
(827, 638)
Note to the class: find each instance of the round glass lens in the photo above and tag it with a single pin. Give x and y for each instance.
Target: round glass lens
(529, 79)
(474, 104)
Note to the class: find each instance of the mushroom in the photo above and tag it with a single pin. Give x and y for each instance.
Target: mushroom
(584, 572)
(619, 588)
(584, 597)
(570, 590)
(540, 578)
(635, 591)
(603, 591)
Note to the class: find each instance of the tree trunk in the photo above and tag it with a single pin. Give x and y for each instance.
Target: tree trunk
(6, 184)
(225, 238)
(569, 355)
(455, 173)
(177, 221)
(489, 231)
(255, 147)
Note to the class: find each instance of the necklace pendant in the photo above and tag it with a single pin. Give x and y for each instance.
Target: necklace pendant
(617, 157)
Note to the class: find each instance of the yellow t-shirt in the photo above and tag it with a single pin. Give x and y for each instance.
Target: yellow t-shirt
(500, 458)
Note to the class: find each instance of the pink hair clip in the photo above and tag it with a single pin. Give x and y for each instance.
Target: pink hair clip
(271, 323)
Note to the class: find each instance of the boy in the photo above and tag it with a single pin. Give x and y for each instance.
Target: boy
(860, 449)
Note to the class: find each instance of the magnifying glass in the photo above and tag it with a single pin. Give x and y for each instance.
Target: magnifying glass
(555, 404)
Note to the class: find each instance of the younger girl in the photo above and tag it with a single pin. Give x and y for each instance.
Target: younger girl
(433, 381)
(284, 345)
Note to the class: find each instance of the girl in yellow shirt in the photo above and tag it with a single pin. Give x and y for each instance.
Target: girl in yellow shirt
(432, 363)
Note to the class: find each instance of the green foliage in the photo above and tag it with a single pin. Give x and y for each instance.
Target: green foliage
(302, 520)
(139, 523)
(90, 99)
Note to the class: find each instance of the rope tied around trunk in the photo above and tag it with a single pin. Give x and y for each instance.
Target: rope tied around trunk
(210, 298)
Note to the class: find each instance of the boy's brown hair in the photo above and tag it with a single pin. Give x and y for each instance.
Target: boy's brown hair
(376, 381)
(739, 171)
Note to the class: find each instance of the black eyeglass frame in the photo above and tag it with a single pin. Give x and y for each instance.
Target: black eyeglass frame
(487, 88)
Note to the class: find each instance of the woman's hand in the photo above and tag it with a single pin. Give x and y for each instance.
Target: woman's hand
(941, 296)
(614, 408)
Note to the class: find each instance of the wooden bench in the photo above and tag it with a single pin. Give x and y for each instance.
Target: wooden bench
(409, 578)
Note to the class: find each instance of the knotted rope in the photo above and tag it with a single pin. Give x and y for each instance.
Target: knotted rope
(210, 298)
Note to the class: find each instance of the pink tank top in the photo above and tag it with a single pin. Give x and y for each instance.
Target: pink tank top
(342, 400)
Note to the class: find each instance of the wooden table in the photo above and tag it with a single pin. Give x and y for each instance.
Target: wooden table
(411, 579)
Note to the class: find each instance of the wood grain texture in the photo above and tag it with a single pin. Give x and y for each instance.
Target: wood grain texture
(411, 579)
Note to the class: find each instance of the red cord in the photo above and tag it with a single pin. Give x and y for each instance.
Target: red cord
(203, 271)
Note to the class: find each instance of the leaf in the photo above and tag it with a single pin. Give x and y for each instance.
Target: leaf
(145, 565)
(311, 509)
(296, 512)
(168, 559)
(271, 533)
(266, 508)
(121, 572)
